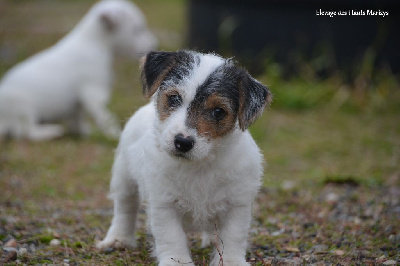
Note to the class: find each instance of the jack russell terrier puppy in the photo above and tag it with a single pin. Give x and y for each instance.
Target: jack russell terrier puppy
(73, 78)
(189, 155)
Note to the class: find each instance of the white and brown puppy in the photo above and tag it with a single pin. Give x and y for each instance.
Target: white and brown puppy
(73, 78)
(188, 154)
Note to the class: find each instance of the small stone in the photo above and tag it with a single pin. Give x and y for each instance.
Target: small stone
(319, 249)
(109, 250)
(297, 261)
(55, 242)
(12, 243)
(332, 197)
(22, 251)
(277, 233)
(288, 185)
(9, 249)
(32, 247)
(357, 221)
(390, 262)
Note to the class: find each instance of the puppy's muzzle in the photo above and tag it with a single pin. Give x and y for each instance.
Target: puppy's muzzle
(183, 144)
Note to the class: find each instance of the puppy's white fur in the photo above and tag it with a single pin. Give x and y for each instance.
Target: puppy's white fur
(73, 77)
(211, 190)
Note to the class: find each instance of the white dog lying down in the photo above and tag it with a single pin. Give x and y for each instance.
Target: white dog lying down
(74, 76)
(191, 157)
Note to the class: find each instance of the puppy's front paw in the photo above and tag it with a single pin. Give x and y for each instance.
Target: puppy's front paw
(116, 242)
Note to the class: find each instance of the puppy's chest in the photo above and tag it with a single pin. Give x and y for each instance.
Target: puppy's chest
(200, 200)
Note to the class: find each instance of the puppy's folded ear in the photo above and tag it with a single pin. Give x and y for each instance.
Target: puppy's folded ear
(155, 66)
(253, 97)
(109, 20)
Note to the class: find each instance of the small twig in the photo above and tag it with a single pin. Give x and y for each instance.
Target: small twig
(261, 258)
(65, 242)
(204, 261)
(29, 239)
(66, 249)
(220, 252)
(178, 261)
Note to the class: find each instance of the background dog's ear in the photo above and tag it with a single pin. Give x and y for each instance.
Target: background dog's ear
(109, 20)
(253, 97)
(155, 66)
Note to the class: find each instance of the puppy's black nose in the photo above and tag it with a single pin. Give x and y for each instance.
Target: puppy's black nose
(183, 144)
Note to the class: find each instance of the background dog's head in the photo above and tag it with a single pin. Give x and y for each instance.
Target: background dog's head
(200, 99)
(126, 27)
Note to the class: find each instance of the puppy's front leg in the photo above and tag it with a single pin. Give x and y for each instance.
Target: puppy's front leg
(171, 245)
(94, 101)
(231, 238)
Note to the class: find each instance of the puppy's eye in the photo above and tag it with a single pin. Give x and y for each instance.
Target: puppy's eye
(174, 100)
(218, 113)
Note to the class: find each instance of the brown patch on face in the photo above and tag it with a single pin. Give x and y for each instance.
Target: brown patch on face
(164, 108)
(212, 118)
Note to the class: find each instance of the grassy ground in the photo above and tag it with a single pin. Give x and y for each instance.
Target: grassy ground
(332, 181)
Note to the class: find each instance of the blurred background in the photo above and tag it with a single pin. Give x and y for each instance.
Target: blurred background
(316, 65)
(334, 118)
(292, 32)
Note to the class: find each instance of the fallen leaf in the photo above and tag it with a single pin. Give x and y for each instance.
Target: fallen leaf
(339, 252)
(12, 243)
(390, 262)
(292, 249)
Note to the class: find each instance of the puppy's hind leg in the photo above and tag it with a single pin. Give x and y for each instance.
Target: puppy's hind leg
(45, 132)
(21, 123)
(124, 192)
(38, 132)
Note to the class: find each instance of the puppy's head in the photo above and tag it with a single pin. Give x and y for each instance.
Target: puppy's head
(125, 26)
(200, 100)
